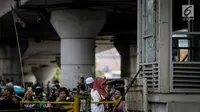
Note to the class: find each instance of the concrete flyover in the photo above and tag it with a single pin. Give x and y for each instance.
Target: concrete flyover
(63, 37)
(65, 33)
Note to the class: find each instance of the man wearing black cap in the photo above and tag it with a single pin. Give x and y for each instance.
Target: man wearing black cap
(8, 100)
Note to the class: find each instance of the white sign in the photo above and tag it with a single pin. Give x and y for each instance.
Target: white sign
(188, 12)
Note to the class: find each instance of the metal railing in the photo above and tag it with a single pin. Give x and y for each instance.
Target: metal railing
(66, 106)
(36, 109)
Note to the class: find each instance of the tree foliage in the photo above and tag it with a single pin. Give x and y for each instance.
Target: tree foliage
(57, 75)
(99, 73)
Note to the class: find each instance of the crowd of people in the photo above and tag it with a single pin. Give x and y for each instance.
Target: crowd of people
(97, 88)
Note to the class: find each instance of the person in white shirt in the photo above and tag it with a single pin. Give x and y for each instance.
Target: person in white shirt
(98, 93)
(89, 82)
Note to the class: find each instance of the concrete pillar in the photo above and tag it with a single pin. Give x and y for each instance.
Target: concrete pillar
(29, 77)
(125, 59)
(128, 55)
(164, 43)
(44, 74)
(77, 30)
(133, 60)
(128, 52)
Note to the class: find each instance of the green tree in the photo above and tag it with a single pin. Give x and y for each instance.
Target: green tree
(99, 73)
(57, 75)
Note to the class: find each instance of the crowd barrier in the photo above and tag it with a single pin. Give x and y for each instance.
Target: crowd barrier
(67, 106)
(37, 110)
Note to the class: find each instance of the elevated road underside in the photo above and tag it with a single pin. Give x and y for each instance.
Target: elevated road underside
(39, 41)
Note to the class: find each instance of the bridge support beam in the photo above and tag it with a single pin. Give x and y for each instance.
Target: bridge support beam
(77, 30)
(124, 52)
(29, 77)
(128, 53)
(44, 74)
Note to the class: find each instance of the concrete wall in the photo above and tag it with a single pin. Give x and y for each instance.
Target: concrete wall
(175, 107)
(183, 107)
(158, 107)
(9, 61)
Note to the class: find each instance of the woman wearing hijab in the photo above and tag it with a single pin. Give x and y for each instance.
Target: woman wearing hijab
(98, 93)
(121, 107)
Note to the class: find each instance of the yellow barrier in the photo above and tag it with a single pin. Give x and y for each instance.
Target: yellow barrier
(102, 102)
(42, 102)
(117, 104)
(75, 106)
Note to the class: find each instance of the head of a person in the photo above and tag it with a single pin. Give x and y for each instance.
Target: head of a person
(56, 82)
(11, 80)
(82, 80)
(53, 89)
(39, 92)
(29, 91)
(2, 82)
(29, 96)
(57, 92)
(74, 90)
(108, 89)
(100, 85)
(117, 94)
(7, 80)
(9, 90)
(89, 81)
(63, 93)
(71, 94)
(57, 86)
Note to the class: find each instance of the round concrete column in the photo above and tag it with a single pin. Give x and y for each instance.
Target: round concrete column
(27, 69)
(44, 74)
(30, 77)
(123, 47)
(77, 30)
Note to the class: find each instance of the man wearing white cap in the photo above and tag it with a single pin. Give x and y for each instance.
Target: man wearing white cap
(89, 81)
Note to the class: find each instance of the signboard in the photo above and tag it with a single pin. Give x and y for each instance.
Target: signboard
(187, 12)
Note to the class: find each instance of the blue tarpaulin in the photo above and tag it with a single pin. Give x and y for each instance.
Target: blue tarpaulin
(17, 89)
